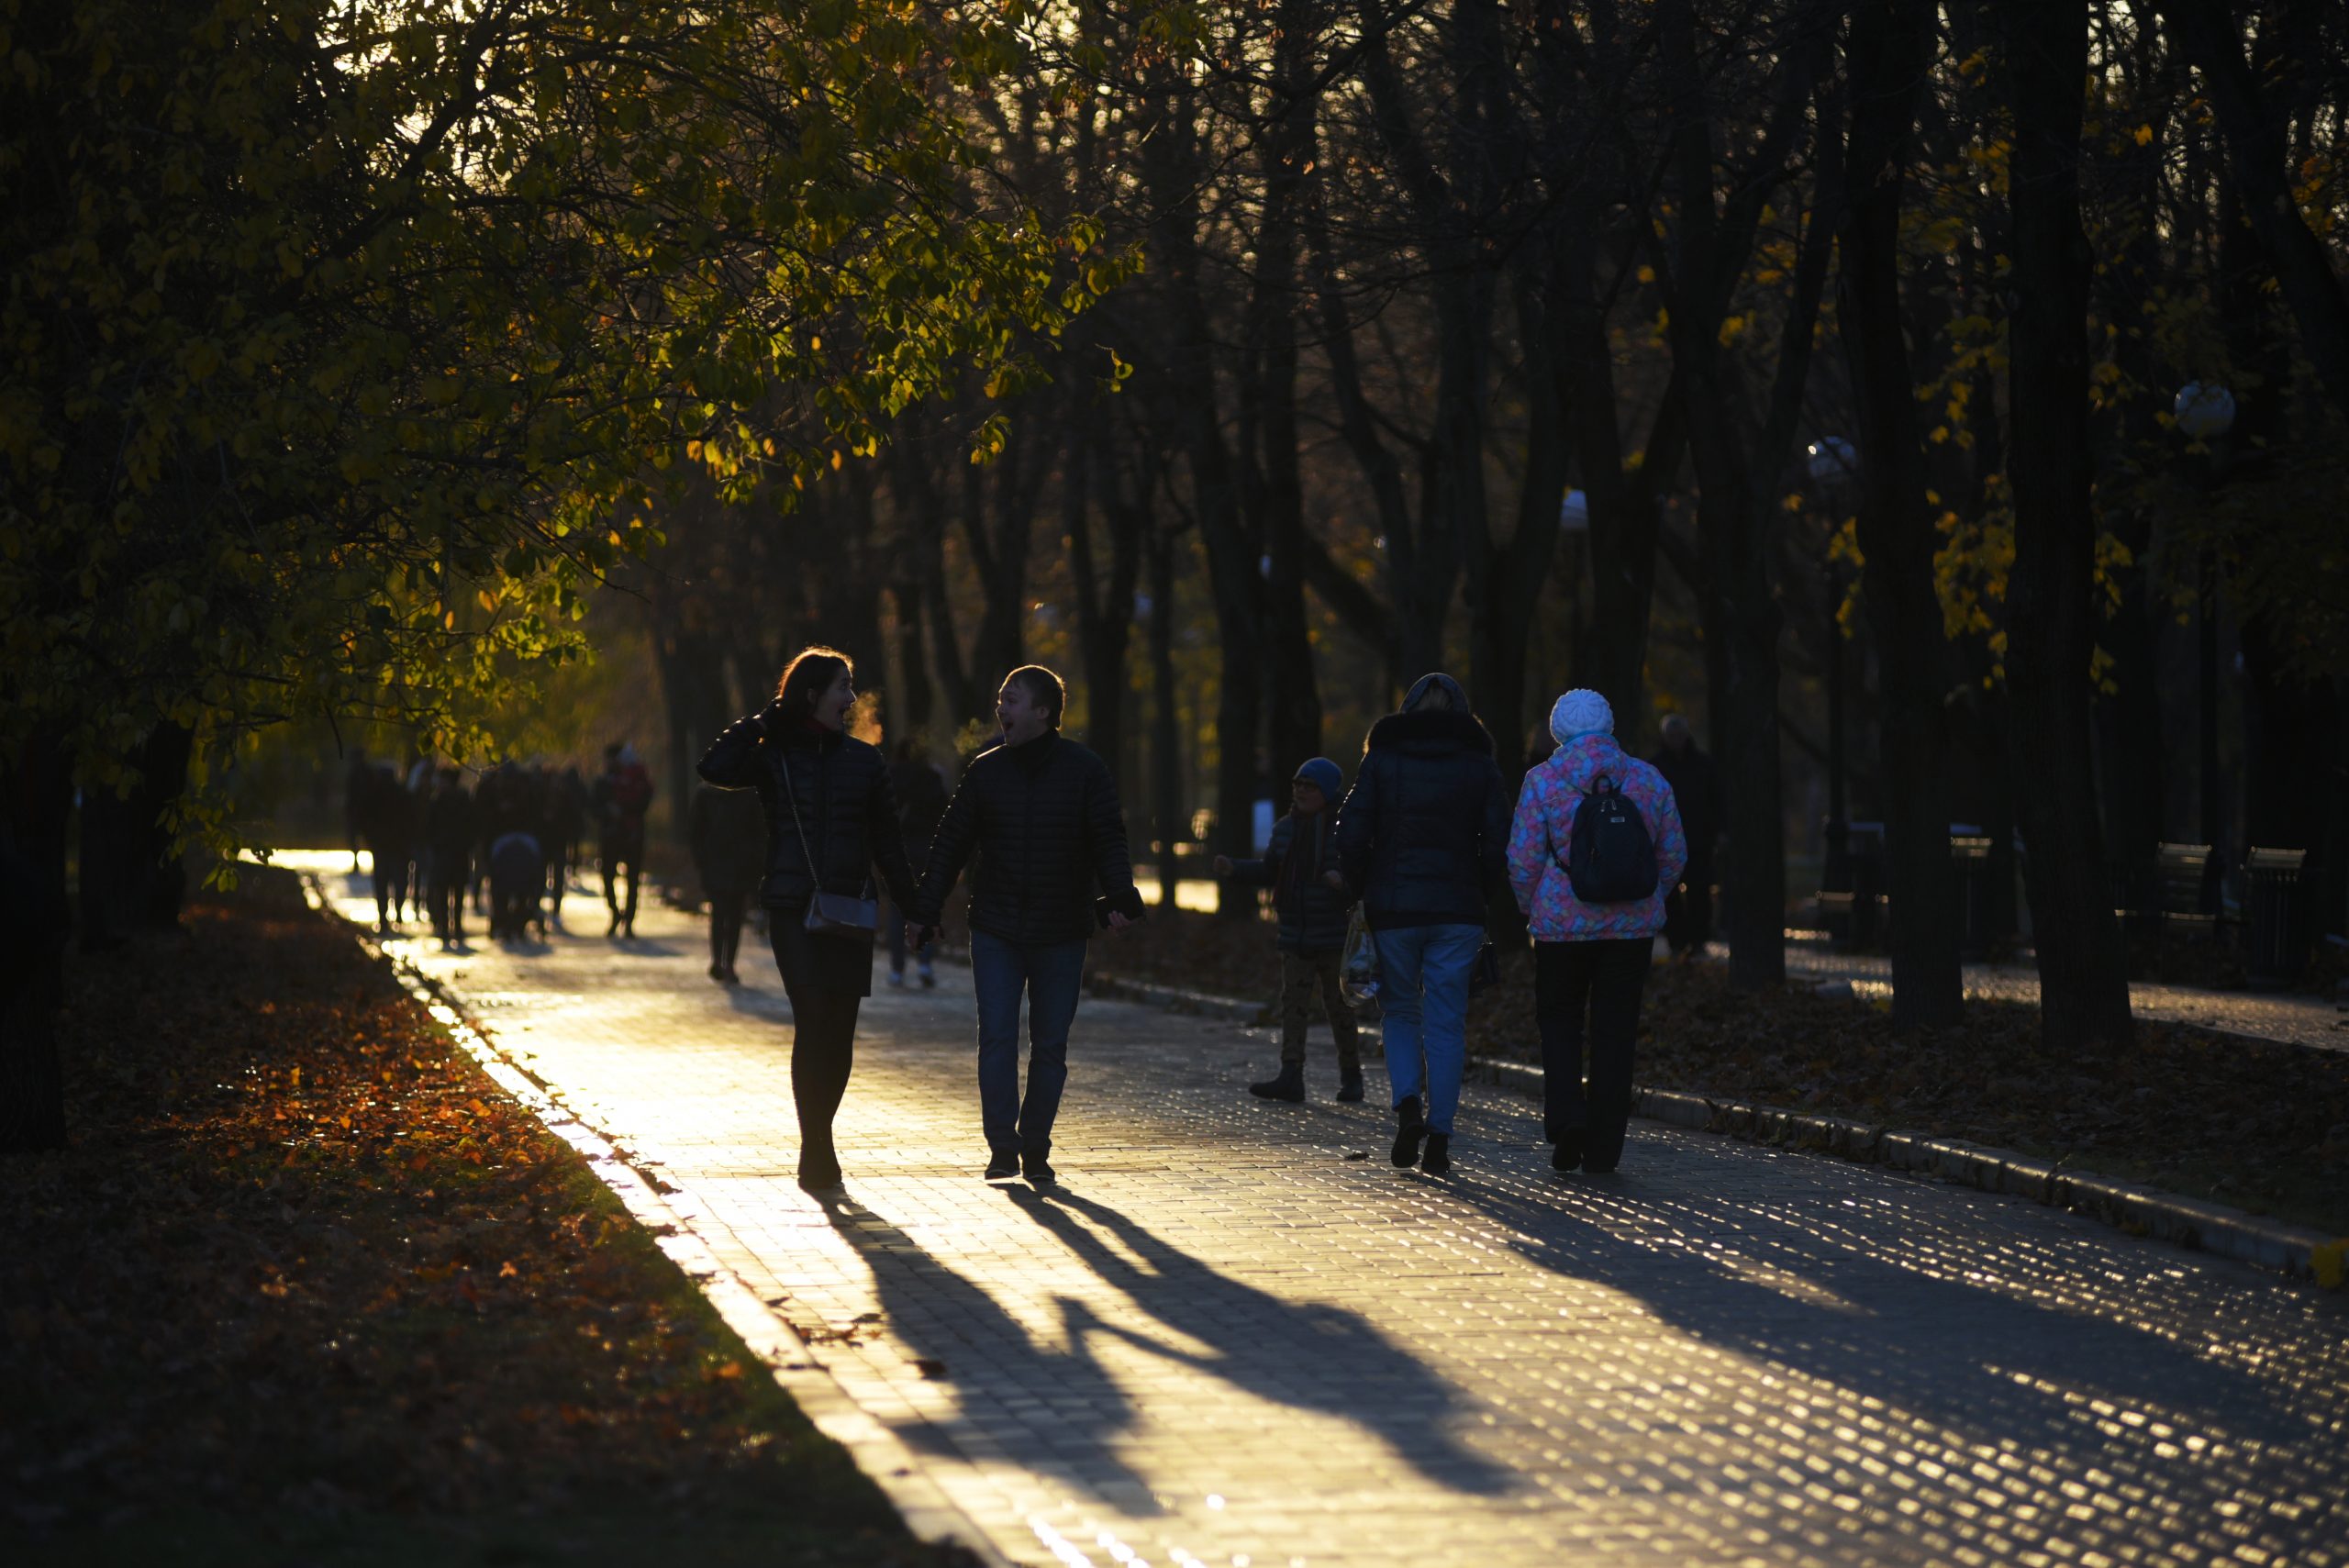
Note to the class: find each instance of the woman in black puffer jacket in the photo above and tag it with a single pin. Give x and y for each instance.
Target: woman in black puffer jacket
(831, 820)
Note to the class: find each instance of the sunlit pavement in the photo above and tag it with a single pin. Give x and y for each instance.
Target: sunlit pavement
(1225, 1339)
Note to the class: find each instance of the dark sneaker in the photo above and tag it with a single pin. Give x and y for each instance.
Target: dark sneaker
(1408, 1129)
(1037, 1169)
(1567, 1155)
(1350, 1086)
(819, 1178)
(1288, 1086)
(1002, 1167)
(1437, 1160)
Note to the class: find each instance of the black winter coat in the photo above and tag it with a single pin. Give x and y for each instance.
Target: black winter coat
(842, 785)
(1423, 835)
(1312, 913)
(728, 831)
(1697, 794)
(1043, 818)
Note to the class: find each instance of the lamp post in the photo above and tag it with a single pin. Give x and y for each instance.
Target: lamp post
(1834, 466)
(2205, 412)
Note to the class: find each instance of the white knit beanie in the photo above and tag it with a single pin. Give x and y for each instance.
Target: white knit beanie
(1579, 713)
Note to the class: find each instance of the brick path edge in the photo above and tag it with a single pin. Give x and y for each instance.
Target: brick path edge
(2293, 1250)
(884, 1457)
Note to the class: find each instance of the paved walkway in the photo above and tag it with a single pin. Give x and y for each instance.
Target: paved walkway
(1231, 1339)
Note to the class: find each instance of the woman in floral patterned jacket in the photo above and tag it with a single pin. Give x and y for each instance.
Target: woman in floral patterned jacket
(1593, 955)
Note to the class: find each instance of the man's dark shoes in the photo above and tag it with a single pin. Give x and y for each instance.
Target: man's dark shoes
(1567, 1155)
(1002, 1167)
(1350, 1086)
(819, 1178)
(1437, 1160)
(1037, 1169)
(1288, 1086)
(1410, 1128)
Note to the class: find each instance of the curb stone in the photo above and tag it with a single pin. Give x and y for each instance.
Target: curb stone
(667, 1216)
(2296, 1250)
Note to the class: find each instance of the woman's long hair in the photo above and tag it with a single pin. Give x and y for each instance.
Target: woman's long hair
(808, 676)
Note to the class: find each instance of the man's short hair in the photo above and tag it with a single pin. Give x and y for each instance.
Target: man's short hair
(1043, 688)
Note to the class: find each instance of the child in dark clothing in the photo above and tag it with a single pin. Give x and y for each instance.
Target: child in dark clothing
(1302, 851)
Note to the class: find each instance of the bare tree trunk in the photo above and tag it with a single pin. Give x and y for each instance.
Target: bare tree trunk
(1170, 159)
(34, 924)
(1890, 51)
(1105, 608)
(1165, 721)
(2083, 978)
(2208, 33)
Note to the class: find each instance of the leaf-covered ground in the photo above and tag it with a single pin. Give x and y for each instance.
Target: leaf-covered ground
(2263, 1127)
(307, 1289)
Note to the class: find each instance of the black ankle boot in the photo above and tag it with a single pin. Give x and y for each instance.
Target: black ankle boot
(1567, 1155)
(1349, 1084)
(1437, 1160)
(1410, 1128)
(1288, 1086)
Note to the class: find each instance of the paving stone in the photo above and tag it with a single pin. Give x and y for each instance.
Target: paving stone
(1221, 1342)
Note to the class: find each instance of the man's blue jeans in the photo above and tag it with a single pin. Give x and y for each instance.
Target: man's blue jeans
(1050, 974)
(1423, 973)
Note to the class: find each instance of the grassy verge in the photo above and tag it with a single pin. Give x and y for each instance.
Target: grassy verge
(307, 1289)
(2262, 1128)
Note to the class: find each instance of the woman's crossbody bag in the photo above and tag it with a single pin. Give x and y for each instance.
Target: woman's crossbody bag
(829, 913)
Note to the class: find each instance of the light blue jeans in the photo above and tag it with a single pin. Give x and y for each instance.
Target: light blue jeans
(1423, 974)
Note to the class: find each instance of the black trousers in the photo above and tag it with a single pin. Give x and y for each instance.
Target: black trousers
(726, 927)
(1606, 977)
(823, 1050)
(615, 852)
(449, 907)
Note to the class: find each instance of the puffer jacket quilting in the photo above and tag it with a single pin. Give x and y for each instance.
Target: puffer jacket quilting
(1544, 830)
(1421, 834)
(1042, 820)
(1313, 918)
(842, 785)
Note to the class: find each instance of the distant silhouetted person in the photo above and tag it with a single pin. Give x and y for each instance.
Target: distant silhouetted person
(1697, 794)
(921, 801)
(448, 832)
(566, 824)
(1297, 863)
(358, 777)
(391, 824)
(623, 796)
(727, 830)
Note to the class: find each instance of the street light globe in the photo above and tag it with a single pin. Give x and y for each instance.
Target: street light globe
(2204, 409)
(1831, 459)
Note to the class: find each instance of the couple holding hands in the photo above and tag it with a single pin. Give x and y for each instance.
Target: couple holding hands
(1040, 813)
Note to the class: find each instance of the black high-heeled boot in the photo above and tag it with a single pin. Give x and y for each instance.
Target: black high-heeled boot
(1410, 1126)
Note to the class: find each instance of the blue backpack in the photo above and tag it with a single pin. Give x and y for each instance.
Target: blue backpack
(1609, 857)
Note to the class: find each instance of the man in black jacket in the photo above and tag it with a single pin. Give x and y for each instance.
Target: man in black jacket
(1041, 812)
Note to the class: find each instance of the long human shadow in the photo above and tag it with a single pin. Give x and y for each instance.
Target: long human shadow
(1256, 1339)
(1842, 1299)
(962, 1335)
